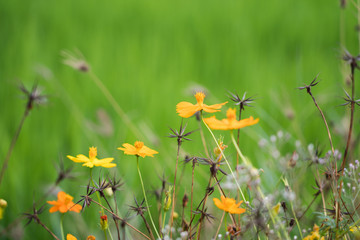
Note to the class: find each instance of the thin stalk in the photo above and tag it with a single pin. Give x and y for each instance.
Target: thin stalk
(226, 161)
(146, 201)
(12, 145)
(48, 230)
(203, 207)
(147, 226)
(192, 193)
(296, 220)
(121, 219)
(174, 192)
(61, 227)
(203, 137)
(350, 129)
(218, 229)
(243, 158)
(327, 127)
(322, 192)
(99, 199)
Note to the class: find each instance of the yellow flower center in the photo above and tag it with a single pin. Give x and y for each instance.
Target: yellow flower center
(200, 98)
(92, 152)
(231, 114)
(138, 145)
(68, 199)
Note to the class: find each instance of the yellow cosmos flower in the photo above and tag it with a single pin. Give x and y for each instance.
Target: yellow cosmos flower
(186, 109)
(92, 161)
(315, 235)
(64, 203)
(229, 205)
(71, 237)
(230, 122)
(139, 149)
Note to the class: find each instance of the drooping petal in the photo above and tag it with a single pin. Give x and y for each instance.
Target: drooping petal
(213, 108)
(186, 109)
(78, 158)
(145, 151)
(245, 122)
(216, 124)
(74, 207)
(128, 149)
(54, 209)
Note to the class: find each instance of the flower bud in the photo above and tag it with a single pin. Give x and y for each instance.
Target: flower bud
(104, 222)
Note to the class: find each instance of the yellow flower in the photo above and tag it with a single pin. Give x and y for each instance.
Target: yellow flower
(71, 237)
(230, 122)
(229, 205)
(92, 161)
(64, 203)
(276, 209)
(186, 109)
(139, 149)
(315, 235)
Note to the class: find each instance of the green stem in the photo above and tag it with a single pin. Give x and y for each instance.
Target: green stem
(99, 199)
(61, 227)
(147, 204)
(243, 158)
(227, 163)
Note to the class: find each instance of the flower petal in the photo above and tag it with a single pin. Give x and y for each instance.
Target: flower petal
(213, 108)
(186, 109)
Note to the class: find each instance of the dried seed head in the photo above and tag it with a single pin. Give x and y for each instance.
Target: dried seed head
(75, 60)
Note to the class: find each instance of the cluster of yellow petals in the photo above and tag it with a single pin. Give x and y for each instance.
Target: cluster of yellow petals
(138, 149)
(230, 122)
(92, 161)
(186, 109)
(71, 237)
(315, 235)
(64, 203)
(229, 205)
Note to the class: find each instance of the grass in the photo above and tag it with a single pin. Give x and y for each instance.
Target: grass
(150, 55)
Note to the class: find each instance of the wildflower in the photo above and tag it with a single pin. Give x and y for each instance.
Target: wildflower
(139, 149)
(92, 161)
(104, 222)
(230, 122)
(64, 203)
(276, 209)
(3, 205)
(219, 150)
(186, 109)
(229, 205)
(71, 237)
(314, 235)
(356, 231)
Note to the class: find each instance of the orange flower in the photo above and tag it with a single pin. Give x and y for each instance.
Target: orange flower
(139, 149)
(92, 161)
(64, 203)
(186, 109)
(230, 122)
(229, 205)
(71, 237)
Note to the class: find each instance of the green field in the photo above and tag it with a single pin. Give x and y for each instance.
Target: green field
(152, 55)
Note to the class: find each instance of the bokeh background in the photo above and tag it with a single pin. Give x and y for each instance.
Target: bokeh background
(152, 55)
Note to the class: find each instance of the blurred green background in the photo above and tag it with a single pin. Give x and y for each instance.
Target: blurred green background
(152, 55)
